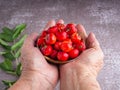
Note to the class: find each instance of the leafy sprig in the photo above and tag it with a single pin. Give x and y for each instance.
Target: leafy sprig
(11, 41)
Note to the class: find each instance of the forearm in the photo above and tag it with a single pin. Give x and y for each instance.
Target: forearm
(22, 84)
(72, 80)
(31, 82)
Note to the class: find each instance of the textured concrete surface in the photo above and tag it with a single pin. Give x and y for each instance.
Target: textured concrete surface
(99, 16)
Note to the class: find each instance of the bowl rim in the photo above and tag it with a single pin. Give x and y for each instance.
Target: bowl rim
(56, 61)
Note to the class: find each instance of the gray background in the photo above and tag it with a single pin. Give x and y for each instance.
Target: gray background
(99, 16)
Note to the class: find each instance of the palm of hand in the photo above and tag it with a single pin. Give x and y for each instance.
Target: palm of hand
(37, 63)
(91, 59)
(33, 61)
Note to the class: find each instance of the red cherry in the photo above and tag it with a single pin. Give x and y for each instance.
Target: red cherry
(66, 47)
(67, 41)
(46, 50)
(40, 41)
(50, 38)
(61, 42)
(54, 54)
(60, 26)
(62, 56)
(75, 38)
(70, 29)
(43, 34)
(53, 29)
(73, 53)
(61, 35)
(57, 45)
(80, 46)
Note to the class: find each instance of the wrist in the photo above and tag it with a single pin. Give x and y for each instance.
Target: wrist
(78, 77)
(80, 69)
(35, 79)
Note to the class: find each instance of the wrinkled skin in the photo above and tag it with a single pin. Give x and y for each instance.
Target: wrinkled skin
(33, 60)
(87, 64)
(38, 74)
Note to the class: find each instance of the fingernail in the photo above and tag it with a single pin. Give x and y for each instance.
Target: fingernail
(94, 40)
(92, 37)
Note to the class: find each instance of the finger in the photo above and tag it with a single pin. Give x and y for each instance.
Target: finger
(81, 31)
(92, 41)
(29, 50)
(60, 21)
(49, 24)
(30, 40)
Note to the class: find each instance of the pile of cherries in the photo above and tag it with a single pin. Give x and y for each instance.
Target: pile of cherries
(61, 42)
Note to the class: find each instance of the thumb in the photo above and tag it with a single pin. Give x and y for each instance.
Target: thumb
(30, 40)
(92, 42)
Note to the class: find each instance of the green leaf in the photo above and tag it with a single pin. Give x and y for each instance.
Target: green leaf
(6, 65)
(9, 55)
(2, 42)
(3, 52)
(18, 69)
(19, 43)
(7, 30)
(18, 30)
(17, 54)
(8, 48)
(6, 37)
(11, 72)
(8, 83)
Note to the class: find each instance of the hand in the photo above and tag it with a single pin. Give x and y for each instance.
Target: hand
(34, 62)
(84, 68)
(36, 71)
